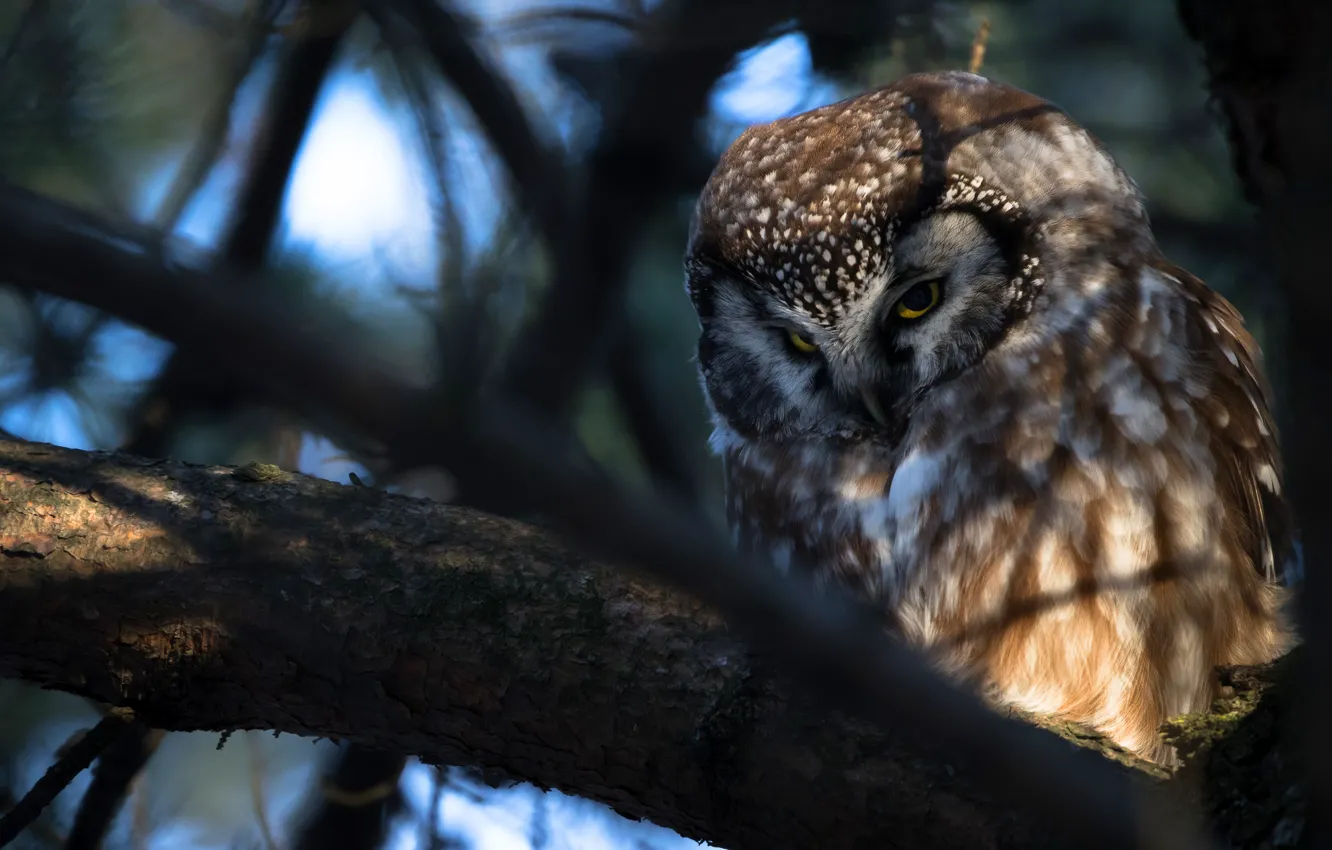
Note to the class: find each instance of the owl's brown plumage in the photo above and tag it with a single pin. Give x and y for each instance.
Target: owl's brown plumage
(950, 369)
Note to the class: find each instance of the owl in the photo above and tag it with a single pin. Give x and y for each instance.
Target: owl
(950, 371)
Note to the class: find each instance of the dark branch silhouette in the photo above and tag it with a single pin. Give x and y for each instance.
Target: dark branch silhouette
(116, 724)
(544, 179)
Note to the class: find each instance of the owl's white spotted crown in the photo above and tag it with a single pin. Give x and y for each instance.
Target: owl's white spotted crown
(809, 207)
(802, 207)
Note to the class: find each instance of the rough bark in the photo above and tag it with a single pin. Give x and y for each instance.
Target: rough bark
(217, 598)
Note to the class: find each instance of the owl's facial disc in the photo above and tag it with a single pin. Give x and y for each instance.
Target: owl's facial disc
(770, 369)
(944, 303)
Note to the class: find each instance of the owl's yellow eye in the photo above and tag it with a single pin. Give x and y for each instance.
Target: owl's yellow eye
(919, 300)
(801, 343)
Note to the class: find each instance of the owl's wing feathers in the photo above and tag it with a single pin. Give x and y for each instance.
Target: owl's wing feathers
(1245, 441)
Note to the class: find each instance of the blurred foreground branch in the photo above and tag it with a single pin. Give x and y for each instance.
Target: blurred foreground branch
(568, 201)
(218, 598)
(184, 388)
(640, 157)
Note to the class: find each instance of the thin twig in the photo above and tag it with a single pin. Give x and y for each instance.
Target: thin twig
(76, 759)
(429, 836)
(140, 823)
(461, 325)
(836, 647)
(649, 125)
(203, 155)
(978, 46)
(543, 180)
(320, 19)
(536, 166)
(64, 61)
(180, 388)
(511, 28)
(435, 142)
(206, 15)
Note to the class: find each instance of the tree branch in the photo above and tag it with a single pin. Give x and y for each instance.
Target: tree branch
(117, 723)
(213, 598)
(543, 180)
(650, 124)
(247, 47)
(536, 166)
(358, 795)
(111, 779)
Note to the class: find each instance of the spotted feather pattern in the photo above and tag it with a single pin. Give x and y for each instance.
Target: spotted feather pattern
(1087, 518)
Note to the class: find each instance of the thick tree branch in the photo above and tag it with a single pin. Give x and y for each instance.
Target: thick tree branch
(213, 598)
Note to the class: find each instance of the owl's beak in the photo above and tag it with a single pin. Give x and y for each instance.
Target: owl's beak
(874, 406)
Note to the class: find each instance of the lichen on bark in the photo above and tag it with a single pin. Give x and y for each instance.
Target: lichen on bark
(1238, 763)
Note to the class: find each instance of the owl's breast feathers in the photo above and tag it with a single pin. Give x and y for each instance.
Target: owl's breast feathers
(1087, 523)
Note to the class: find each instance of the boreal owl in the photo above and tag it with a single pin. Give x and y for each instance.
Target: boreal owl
(950, 370)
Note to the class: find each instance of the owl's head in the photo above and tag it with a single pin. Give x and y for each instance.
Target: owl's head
(845, 261)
